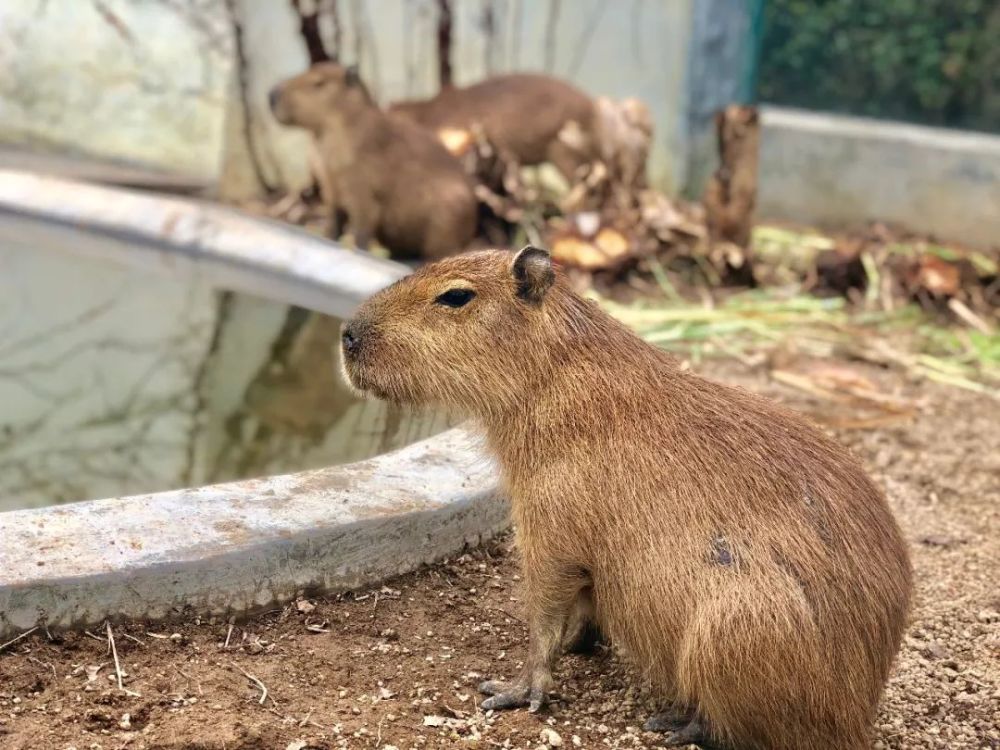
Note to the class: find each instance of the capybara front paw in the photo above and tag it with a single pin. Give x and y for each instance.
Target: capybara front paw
(505, 695)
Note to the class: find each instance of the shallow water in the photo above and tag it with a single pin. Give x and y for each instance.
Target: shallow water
(116, 381)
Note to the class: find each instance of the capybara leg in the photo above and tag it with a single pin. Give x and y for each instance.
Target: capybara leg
(566, 159)
(551, 594)
(362, 217)
(338, 220)
(789, 695)
(583, 636)
(532, 688)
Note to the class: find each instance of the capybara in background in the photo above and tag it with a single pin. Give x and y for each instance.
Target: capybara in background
(392, 179)
(529, 117)
(743, 560)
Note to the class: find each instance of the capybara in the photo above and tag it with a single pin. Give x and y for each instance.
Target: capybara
(739, 557)
(529, 117)
(393, 180)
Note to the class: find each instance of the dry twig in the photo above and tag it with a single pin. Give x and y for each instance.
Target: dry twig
(44, 664)
(114, 655)
(133, 638)
(256, 681)
(11, 642)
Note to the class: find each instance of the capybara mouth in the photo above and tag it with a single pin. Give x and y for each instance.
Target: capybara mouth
(353, 373)
(276, 103)
(358, 379)
(281, 115)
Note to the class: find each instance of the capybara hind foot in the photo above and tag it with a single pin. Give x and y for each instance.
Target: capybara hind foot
(672, 719)
(679, 730)
(506, 695)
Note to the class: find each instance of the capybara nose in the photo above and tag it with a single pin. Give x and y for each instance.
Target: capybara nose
(272, 97)
(350, 337)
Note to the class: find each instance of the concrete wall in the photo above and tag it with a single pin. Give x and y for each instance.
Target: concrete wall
(615, 49)
(145, 82)
(834, 170)
(168, 84)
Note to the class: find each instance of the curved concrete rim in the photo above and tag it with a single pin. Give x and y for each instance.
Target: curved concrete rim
(236, 547)
(178, 235)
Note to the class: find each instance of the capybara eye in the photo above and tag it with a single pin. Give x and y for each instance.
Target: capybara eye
(455, 297)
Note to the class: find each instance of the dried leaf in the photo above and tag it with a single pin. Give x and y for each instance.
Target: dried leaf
(607, 250)
(457, 140)
(612, 243)
(936, 276)
(941, 540)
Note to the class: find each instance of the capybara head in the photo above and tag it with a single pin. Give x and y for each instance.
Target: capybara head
(477, 332)
(308, 99)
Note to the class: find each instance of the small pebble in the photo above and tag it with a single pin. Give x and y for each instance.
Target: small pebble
(551, 737)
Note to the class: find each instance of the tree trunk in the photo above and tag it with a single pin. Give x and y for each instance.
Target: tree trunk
(309, 29)
(444, 42)
(731, 193)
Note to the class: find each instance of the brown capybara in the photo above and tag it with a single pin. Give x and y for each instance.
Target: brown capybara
(392, 179)
(528, 117)
(743, 560)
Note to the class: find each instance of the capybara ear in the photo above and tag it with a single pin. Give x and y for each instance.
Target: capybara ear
(351, 75)
(532, 270)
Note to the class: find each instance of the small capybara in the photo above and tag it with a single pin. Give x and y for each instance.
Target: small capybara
(529, 117)
(743, 560)
(393, 180)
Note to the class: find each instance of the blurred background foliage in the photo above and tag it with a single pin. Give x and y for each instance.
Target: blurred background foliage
(935, 62)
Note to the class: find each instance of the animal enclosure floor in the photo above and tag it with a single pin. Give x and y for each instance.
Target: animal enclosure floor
(397, 666)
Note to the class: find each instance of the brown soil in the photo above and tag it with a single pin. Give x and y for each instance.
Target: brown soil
(397, 666)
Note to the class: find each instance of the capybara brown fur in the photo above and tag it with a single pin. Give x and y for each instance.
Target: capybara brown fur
(743, 560)
(529, 117)
(393, 180)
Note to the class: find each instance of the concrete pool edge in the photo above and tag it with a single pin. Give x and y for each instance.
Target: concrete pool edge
(237, 547)
(170, 235)
(234, 548)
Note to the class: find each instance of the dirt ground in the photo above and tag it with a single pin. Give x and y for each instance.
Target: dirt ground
(396, 666)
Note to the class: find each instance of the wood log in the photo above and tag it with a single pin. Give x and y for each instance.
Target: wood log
(731, 193)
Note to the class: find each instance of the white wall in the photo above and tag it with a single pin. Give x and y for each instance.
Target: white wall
(617, 49)
(142, 81)
(832, 170)
(156, 82)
